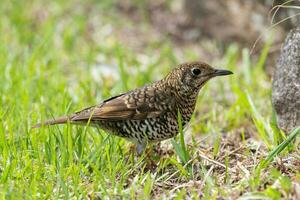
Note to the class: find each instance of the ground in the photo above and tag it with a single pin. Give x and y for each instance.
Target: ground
(59, 57)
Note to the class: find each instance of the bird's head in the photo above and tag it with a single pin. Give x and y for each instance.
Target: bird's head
(190, 77)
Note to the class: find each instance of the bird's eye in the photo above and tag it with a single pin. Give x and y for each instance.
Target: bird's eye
(196, 71)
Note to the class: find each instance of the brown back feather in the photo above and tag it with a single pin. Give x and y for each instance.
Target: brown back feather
(146, 102)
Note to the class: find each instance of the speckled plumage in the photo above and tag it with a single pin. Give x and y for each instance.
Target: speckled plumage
(149, 113)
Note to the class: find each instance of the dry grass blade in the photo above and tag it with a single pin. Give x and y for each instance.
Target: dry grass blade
(211, 160)
(269, 28)
(277, 8)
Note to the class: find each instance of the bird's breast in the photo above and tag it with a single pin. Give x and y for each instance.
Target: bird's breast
(186, 110)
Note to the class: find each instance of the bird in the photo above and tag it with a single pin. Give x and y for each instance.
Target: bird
(150, 113)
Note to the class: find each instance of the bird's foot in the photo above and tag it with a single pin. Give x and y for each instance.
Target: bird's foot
(140, 147)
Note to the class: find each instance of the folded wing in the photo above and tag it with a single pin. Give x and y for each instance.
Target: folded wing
(140, 104)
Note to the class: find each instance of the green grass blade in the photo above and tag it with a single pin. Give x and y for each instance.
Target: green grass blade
(181, 147)
(280, 148)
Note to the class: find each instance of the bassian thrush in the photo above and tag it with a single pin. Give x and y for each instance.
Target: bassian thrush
(149, 113)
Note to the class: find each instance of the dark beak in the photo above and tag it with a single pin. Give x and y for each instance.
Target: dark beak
(222, 72)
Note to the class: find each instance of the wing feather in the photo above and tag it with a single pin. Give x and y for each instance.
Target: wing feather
(139, 104)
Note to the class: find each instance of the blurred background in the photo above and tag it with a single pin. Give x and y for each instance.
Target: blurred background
(206, 28)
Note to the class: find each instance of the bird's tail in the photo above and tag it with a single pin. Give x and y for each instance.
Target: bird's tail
(60, 120)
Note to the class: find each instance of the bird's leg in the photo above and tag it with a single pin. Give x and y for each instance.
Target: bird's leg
(136, 148)
(140, 147)
(150, 163)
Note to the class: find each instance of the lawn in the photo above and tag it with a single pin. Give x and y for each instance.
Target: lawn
(58, 57)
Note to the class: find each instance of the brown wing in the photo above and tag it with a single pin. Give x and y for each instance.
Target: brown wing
(139, 104)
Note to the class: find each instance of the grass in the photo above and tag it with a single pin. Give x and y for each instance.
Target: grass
(62, 57)
(181, 147)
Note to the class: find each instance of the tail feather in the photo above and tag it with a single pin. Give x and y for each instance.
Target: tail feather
(60, 120)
